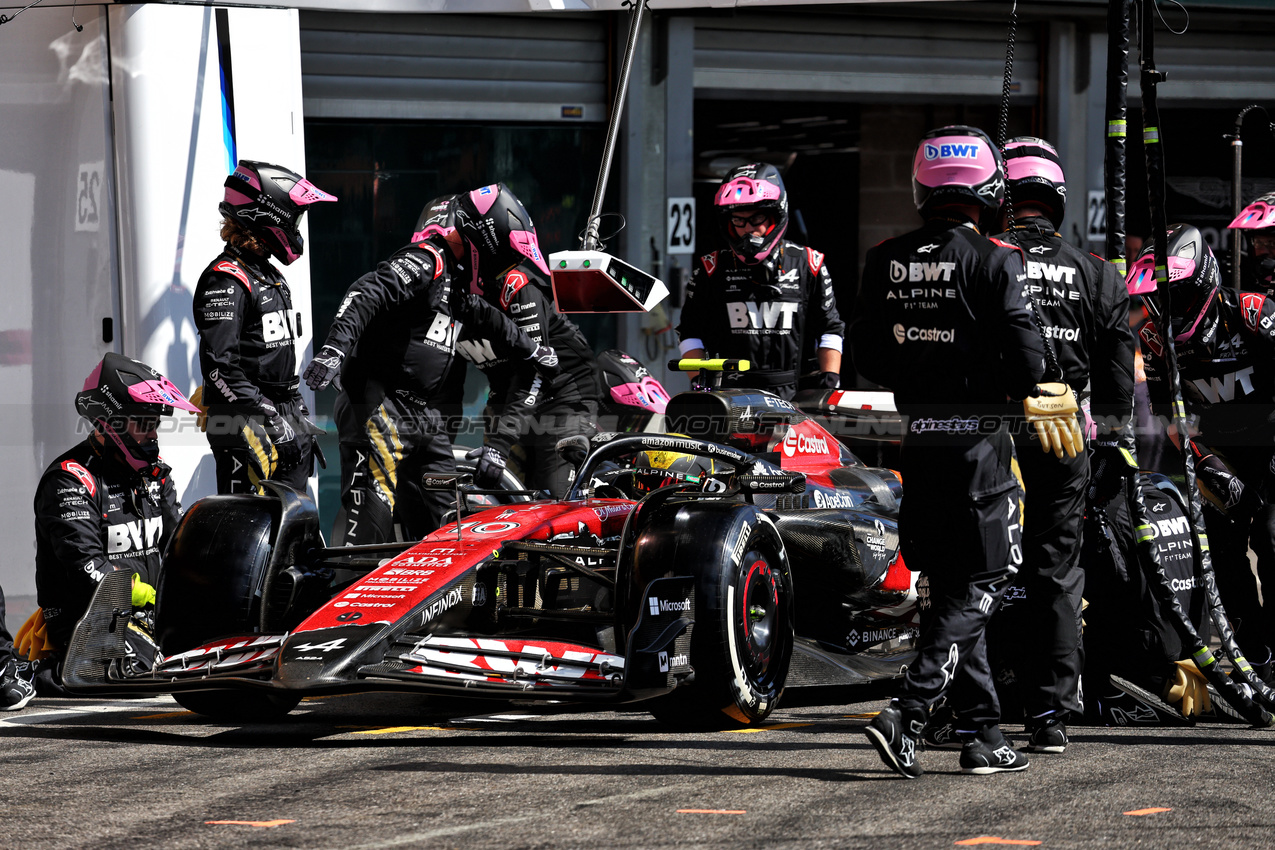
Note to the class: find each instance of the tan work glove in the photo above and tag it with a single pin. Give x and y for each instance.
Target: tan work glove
(1189, 687)
(32, 641)
(1053, 411)
(197, 399)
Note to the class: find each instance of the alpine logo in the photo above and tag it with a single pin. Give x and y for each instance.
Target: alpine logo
(82, 475)
(951, 151)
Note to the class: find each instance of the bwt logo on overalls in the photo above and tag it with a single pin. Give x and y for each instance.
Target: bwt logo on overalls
(136, 535)
(950, 151)
(769, 315)
(274, 326)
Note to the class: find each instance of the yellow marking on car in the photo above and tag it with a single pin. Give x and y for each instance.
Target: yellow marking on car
(386, 730)
(1137, 813)
(267, 824)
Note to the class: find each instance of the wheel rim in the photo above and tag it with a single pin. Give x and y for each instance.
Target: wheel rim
(759, 615)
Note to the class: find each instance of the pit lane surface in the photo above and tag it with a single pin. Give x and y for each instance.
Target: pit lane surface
(391, 770)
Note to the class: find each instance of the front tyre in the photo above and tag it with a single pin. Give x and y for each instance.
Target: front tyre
(743, 638)
(237, 706)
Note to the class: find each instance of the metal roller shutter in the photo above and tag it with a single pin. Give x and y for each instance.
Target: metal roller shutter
(868, 58)
(453, 67)
(1216, 68)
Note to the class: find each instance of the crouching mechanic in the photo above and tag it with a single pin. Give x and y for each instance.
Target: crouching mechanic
(1084, 309)
(764, 299)
(258, 425)
(951, 360)
(392, 343)
(524, 423)
(107, 504)
(1225, 343)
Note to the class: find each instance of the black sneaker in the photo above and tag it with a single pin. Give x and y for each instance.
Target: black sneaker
(941, 735)
(1046, 735)
(15, 692)
(989, 752)
(895, 739)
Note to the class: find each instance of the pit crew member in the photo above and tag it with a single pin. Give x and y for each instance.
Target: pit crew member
(257, 424)
(763, 299)
(952, 348)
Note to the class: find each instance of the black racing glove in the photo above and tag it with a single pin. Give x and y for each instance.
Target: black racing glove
(545, 360)
(489, 468)
(830, 380)
(1110, 466)
(324, 368)
(280, 432)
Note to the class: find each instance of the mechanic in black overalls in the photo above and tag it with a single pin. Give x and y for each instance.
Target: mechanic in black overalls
(109, 503)
(1084, 310)
(942, 319)
(393, 342)
(765, 300)
(1225, 343)
(258, 425)
(526, 423)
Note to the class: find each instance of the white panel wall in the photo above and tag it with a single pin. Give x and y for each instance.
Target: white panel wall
(172, 159)
(57, 282)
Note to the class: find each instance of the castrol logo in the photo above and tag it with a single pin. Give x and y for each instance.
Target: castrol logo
(795, 444)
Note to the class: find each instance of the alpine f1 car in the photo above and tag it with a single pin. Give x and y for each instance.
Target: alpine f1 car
(698, 572)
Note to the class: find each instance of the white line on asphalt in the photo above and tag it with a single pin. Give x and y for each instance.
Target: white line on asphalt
(443, 832)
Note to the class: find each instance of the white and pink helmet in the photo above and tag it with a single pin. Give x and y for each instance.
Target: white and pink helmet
(269, 200)
(437, 219)
(1035, 176)
(1259, 215)
(957, 165)
(752, 186)
(1193, 275)
(119, 389)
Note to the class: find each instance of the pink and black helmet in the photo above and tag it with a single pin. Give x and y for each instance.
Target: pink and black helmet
(437, 219)
(754, 186)
(498, 230)
(1259, 218)
(1194, 280)
(957, 165)
(1035, 176)
(269, 200)
(119, 389)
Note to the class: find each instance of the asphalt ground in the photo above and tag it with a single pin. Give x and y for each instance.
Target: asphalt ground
(398, 770)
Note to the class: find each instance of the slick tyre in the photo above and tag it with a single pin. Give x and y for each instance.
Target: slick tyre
(743, 638)
(237, 706)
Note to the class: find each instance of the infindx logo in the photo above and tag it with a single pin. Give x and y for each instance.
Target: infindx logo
(951, 151)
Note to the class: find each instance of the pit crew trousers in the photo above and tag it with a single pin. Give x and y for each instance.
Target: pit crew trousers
(234, 451)
(1046, 621)
(535, 459)
(959, 527)
(1229, 542)
(387, 442)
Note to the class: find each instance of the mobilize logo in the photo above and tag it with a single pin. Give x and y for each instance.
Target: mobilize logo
(920, 272)
(902, 334)
(664, 606)
(667, 661)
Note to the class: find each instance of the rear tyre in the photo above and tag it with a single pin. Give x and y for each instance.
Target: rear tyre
(239, 706)
(742, 642)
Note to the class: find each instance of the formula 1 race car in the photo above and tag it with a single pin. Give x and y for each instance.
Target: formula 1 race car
(699, 572)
